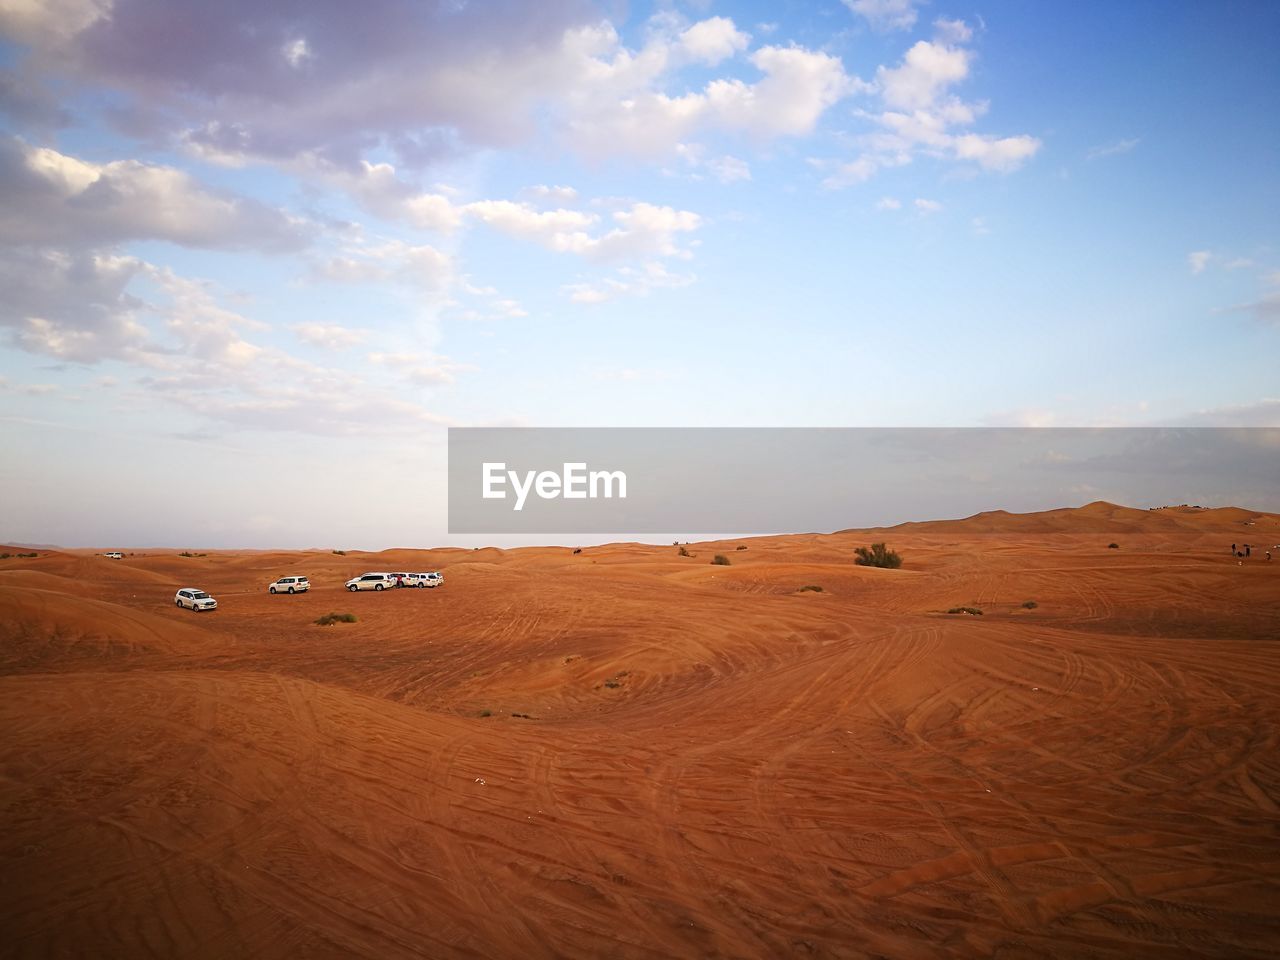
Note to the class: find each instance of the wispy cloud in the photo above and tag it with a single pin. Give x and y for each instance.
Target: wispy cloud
(1197, 260)
(1112, 149)
(884, 15)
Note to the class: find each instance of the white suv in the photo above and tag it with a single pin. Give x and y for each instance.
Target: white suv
(194, 599)
(434, 579)
(114, 555)
(290, 585)
(371, 581)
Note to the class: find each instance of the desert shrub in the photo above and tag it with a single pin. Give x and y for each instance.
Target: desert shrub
(578, 550)
(5, 556)
(28, 556)
(340, 553)
(486, 713)
(740, 548)
(814, 588)
(972, 611)
(186, 553)
(684, 552)
(1113, 546)
(1029, 604)
(878, 556)
(720, 560)
(331, 618)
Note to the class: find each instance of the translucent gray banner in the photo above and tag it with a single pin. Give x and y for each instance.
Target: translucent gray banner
(787, 480)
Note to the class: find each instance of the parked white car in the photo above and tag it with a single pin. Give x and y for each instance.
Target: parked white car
(411, 579)
(290, 585)
(114, 555)
(194, 599)
(434, 579)
(371, 581)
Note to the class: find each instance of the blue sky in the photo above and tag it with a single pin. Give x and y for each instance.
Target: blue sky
(258, 257)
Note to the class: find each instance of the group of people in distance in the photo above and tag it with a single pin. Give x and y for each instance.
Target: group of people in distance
(1246, 552)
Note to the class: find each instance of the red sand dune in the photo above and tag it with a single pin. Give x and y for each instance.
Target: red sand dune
(628, 753)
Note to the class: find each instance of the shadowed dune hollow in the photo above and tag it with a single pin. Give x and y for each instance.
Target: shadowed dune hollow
(624, 752)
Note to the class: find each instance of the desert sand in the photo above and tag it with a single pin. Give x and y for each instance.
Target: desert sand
(627, 753)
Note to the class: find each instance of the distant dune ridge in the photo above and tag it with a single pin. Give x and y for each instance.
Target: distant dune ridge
(627, 752)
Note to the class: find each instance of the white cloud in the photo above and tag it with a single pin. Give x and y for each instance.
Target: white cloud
(1002, 154)
(191, 350)
(1112, 149)
(1198, 260)
(419, 78)
(628, 282)
(888, 203)
(926, 207)
(51, 198)
(72, 305)
(295, 52)
(796, 87)
(922, 116)
(952, 31)
(418, 265)
(486, 304)
(711, 41)
(856, 171)
(561, 229)
(728, 169)
(204, 330)
(886, 14)
(506, 307)
(926, 71)
(425, 370)
(1261, 413)
(378, 188)
(331, 336)
(557, 194)
(49, 23)
(643, 229)
(1266, 309)
(1026, 417)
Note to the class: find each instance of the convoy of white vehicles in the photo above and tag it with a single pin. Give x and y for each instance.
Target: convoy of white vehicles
(196, 599)
(389, 581)
(371, 581)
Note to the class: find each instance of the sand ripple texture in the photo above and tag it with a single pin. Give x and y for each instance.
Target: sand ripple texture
(627, 753)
